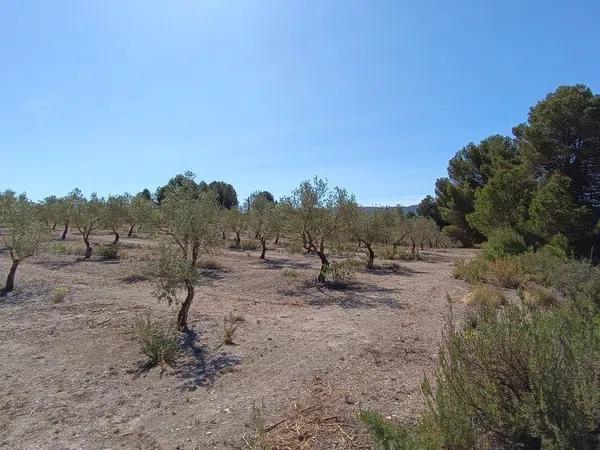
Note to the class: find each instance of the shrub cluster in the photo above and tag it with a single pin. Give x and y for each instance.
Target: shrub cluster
(526, 375)
(158, 342)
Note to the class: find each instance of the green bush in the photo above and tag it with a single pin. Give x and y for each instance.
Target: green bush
(558, 246)
(503, 243)
(523, 378)
(159, 343)
(109, 252)
(249, 245)
(474, 271)
(341, 274)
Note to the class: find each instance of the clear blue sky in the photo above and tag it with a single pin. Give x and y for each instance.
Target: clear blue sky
(376, 96)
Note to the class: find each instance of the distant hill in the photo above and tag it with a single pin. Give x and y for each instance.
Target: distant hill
(405, 209)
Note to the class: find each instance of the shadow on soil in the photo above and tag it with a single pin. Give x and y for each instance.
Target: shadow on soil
(276, 264)
(352, 296)
(201, 368)
(395, 269)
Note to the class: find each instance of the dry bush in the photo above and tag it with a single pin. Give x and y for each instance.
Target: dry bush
(505, 273)
(387, 252)
(344, 248)
(341, 274)
(538, 296)
(65, 248)
(159, 342)
(231, 322)
(59, 293)
(248, 245)
(486, 298)
(293, 246)
(259, 440)
(474, 271)
(210, 264)
(290, 273)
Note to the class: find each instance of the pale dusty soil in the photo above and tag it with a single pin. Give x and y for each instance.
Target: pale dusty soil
(70, 377)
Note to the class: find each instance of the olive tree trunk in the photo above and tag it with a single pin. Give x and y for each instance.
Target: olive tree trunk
(263, 243)
(182, 317)
(238, 240)
(131, 230)
(370, 256)
(117, 237)
(65, 231)
(10, 279)
(88, 247)
(324, 267)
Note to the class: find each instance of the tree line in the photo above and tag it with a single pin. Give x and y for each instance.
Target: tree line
(542, 182)
(191, 218)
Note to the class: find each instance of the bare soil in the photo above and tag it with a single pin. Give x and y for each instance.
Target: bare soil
(309, 356)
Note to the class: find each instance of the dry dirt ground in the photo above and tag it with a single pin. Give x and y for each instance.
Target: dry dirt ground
(309, 357)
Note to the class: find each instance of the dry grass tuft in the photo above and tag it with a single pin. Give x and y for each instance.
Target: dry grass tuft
(231, 322)
(59, 293)
(484, 297)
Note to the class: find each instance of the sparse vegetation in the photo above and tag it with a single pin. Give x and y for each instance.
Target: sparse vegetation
(484, 297)
(290, 273)
(341, 274)
(59, 293)
(158, 342)
(231, 323)
(109, 252)
(23, 235)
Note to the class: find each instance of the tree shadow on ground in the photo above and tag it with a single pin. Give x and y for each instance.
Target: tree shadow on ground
(30, 291)
(394, 269)
(56, 264)
(134, 278)
(213, 274)
(200, 368)
(354, 295)
(275, 264)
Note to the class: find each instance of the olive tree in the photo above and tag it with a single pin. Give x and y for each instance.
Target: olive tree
(114, 214)
(141, 209)
(368, 228)
(190, 222)
(87, 216)
(266, 221)
(65, 209)
(49, 211)
(22, 234)
(236, 222)
(318, 216)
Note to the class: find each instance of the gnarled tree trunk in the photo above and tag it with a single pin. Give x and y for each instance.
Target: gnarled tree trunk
(182, 317)
(238, 240)
(65, 231)
(88, 247)
(263, 243)
(370, 256)
(324, 267)
(10, 279)
(117, 237)
(131, 230)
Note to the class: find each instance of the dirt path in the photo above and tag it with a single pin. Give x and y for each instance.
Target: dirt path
(69, 375)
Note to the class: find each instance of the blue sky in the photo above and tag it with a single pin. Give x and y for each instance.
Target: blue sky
(376, 96)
